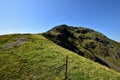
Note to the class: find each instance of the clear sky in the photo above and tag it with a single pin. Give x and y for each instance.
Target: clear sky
(37, 16)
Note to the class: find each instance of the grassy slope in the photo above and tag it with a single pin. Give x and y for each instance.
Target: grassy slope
(40, 59)
(87, 42)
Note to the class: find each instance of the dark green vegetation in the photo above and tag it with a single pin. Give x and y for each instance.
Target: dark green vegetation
(33, 57)
(88, 43)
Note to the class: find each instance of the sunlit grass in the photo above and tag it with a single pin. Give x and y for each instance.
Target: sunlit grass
(40, 59)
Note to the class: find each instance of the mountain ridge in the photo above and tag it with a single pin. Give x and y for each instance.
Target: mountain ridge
(34, 57)
(88, 43)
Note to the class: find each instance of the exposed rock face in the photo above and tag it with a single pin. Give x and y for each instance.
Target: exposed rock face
(88, 43)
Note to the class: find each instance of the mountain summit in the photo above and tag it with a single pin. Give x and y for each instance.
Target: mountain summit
(33, 57)
(88, 43)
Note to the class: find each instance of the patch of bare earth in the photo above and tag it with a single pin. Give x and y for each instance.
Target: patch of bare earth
(17, 41)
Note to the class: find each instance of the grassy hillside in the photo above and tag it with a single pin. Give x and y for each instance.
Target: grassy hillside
(88, 43)
(33, 57)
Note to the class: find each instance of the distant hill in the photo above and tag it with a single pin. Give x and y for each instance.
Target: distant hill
(33, 57)
(88, 43)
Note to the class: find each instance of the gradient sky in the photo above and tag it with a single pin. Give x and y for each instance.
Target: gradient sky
(37, 16)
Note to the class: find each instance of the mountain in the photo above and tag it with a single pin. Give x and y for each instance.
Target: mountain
(88, 43)
(33, 57)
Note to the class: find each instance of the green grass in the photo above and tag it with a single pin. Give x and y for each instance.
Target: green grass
(40, 59)
(88, 43)
(7, 38)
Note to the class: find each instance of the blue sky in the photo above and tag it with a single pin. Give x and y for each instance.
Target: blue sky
(37, 16)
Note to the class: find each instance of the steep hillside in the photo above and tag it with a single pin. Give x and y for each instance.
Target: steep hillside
(33, 57)
(88, 43)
